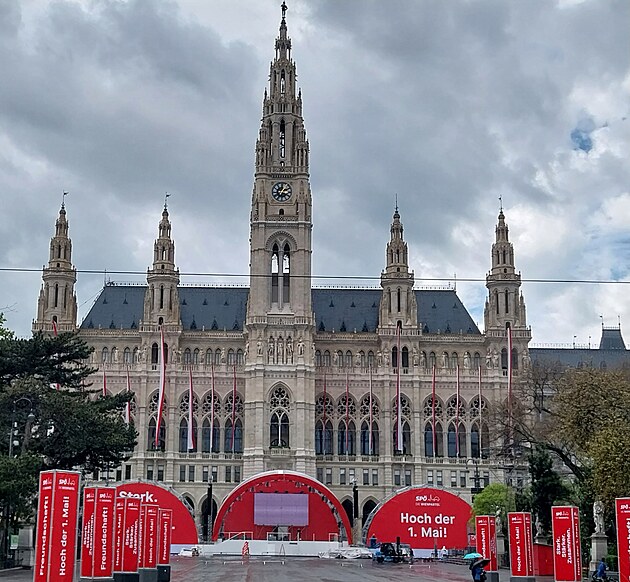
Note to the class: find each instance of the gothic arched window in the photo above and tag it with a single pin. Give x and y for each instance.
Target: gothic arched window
(286, 274)
(279, 420)
(367, 439)
(405, 357)
(151, 435)
(275, 265)
(323, 438)
(346, 438)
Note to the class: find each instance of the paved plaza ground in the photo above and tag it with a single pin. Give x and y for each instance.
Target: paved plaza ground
(302, 569)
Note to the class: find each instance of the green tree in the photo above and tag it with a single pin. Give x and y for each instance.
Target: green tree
(52, 417)
(4, 332)
(495, 499)
(546, 487)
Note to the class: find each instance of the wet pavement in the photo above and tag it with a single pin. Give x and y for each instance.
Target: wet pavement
(302, 569)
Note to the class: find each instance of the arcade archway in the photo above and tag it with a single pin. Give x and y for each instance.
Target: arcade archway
(282, 505)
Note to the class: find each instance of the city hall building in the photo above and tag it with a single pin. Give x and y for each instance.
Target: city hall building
(383, 387)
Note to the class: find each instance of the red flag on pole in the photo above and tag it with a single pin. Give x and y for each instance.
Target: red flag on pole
(325, 402)
(480, 401)
(158, 425)
(370, 443)
(212, 409)
(128, 405)
(509, 373)
(399, 435)
(347, 413)
(433, 411)
(457, 416)
(233, 404)
(57, 386)
(191, 398)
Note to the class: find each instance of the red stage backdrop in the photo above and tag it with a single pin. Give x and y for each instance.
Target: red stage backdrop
(622, 510)
(325, 512)
(521, 551)
(184, 529)
(486, 537)
(424, 518)
(57, 511)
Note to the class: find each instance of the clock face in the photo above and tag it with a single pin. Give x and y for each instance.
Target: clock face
(281, 191)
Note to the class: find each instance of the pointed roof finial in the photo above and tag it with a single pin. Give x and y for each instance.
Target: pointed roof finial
(284, 9)
(63, 200)
(396, 196)
(166, 201)
(500, 202)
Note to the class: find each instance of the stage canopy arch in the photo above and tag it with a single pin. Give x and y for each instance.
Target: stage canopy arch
(284, 505)
(423, 517)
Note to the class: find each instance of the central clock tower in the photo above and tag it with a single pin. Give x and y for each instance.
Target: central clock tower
(280, 321)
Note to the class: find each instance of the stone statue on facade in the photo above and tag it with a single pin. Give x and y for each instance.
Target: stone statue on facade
(415, 356)
(223, 356)
(495, 358)
(289, 350)
(259, 348)
(423, 360)
(300, 347)
(467, 360)
(270, 351)
(379, 358)
(280, 350)
(598, 516)
(489, 359)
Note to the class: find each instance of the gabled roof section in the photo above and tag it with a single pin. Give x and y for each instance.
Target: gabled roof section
(219, 308)
(612, 339)
(441, 311)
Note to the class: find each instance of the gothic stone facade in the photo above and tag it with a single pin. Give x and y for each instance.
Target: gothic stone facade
(287, 376)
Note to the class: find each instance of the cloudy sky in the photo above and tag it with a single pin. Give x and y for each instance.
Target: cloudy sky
(447, 104)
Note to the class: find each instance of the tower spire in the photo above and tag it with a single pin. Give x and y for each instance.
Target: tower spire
(161, 302)
(57, 299)
(398, 303)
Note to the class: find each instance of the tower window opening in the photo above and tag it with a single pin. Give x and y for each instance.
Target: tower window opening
(496, 301)
(507, 302)
(163, 253)
(504, 257)
(282, 138)
(398, 300)
(161, 296)
(274, 274)
(58, 251)
(56, 301)
(286, 274)
(397, 256)
(282, 83)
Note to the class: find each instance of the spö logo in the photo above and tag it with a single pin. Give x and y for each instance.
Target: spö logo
(430, 498)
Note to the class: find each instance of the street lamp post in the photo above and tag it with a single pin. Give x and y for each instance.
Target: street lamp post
(476, 479)
(13, 441)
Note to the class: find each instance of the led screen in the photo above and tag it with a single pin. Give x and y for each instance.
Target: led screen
(281, 509)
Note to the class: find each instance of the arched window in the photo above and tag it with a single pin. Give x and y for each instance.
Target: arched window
(151, 435)
(318, 358)
(452, 441)
(187, 357)
(428, 440)
(209, 357)
(286, 274)
(455, 435)
(431, 360)
(476, 361)
(279, 420)
(155, 354)
(196, 356)
(340, 358)
(348, 359)
(275, 261)
(323, 438)
(405, 357)
(439, 440)
(504, 359)
(233, 437)
(362, 358)
(514, 359)
(346, 438)
(326, 361)
(475, 449)
(105, 356)
(395, 357)
(231, 357)
(454, 360)
(240, 357)
(279, 430)
(406, 439)
(365, 438)
(127, 356)
(371, 359)
(183, 436)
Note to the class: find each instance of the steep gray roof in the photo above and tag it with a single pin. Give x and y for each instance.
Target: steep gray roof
(612, 339)
(121, 307)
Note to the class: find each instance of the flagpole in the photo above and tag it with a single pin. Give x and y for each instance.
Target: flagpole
(191, 431)
(325, 403)
(370, 432)
(347, 412)
(399, 436)
(158, 425)
(433, 411)
(212, 408)
(104, 382)
(233, 404)
(128, 407)
(457, 416)
(509, 372)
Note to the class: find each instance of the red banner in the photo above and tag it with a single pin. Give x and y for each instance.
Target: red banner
(131, 544)
(149, 536)
(565, 526)
(165, 520)
(622, 511)
(87, 534)
(104, 532)
(521, 551)
(119, 533)
(58, 509)
(486, 536)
